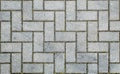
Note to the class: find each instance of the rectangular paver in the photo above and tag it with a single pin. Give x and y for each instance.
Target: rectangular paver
(75, 68)
(43, 57)
(65, 36)
(108, 36)
(10, 47)
(86, 15)
(98, 47)
(54, 5)
(10, 5)
(32, 68)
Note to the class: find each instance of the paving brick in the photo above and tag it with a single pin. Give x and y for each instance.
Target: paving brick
(86, 57)
(27, 52)
(49, 69)
(103, 20)
(10, 5)
(92, 31)
(38, 42)
(60, 21)
(27, 10)
(103, 65)
(21, 36)
(65, 36)
(33, 26)
(5, 31)
(98, 47)
(81, 4)
(32, 68)
(54, 47)
(76, 68)
(98, 5)
(114, 52)
(49, 31)
(5, 68)
(16, 63)
(115, 25)
(10, 47)
(92, 69)
(70, 52)
(43, 15)
(54, 5)
(75, 26)
(43, 57)
(38, 4)
(4, 58)
(108, 36)
(4, 15)
(86, 15)
(114, 68)
(81, 42)
(114, 10)
(59, 62)
(70, 10)
(16, 21)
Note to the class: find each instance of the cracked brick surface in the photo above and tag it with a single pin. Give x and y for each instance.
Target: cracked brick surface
(59, 37)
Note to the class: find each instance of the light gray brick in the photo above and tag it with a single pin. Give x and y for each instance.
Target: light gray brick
(38, 4)
(65, 36)
(49, 69)
(27, 52)
(60, 21)
(81, 4)
(43, 15)
(70, 52)
(49, 31)
(81, 42)
(75, 68)
(16, 63)
(4, 58)
(5, 68)
(98, 47)
(76, 26)
(10, 5)
(86, 15)
(59, 62)
(109, 36)
(54, 47)
(54, 5)
(33, 26)
(92, 68)
(4, 15)
(5, 31)
(103, 20)
(38, 42)
(103, 65)
(115, 25)
(70, 10)
(27, 10)
(98, 5)
(16, 21)
(32, 68)
(86, 57)
(114, 10)
(114, 52)
(21, 36)
(92, 31)
(10, 47)
(43, 57)
(114, 68)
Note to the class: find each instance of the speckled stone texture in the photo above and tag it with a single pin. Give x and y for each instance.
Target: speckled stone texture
(59, 36)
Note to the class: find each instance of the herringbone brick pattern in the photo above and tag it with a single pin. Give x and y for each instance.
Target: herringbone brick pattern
(59, 37)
